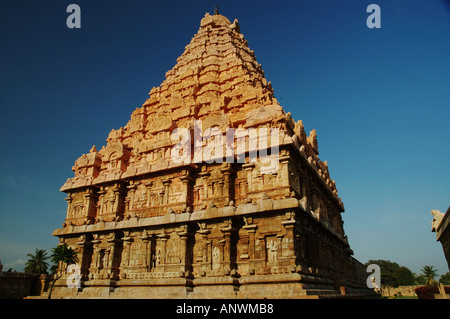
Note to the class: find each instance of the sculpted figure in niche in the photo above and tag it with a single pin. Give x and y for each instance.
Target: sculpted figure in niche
(157, 258)
(215, 188)
(140, 196)
(78, 210)
(108, 206)
(245, 245)
(105, 260)
(172, 253)
(154, 199)
(215, 258)
(99, 259)
(272, 250)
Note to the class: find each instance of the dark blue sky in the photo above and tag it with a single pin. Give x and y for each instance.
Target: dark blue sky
(378, 98)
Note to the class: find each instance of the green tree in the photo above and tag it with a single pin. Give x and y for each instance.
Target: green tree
(54, 269)
(404, 276)
(387, 269)
(420, 280)
(63, 256)
(36, 263)
(392, 274)
(429, 272)
(445, 279)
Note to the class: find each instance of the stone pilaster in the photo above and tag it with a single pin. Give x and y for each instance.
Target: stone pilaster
(84, 256)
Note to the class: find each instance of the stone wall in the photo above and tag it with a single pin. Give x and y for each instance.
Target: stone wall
(400, 290)
(232, 252)
(441, 225)
(18, 285)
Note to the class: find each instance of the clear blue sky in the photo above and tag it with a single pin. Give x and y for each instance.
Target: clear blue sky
(378, 98)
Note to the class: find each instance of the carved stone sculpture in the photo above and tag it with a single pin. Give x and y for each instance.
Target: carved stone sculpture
(261, 219)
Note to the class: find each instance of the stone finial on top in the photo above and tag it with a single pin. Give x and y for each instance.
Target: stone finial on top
(236, 27)
(214, 20)
(437, 218)
(299, 129)
(93, 150)
(312, 140)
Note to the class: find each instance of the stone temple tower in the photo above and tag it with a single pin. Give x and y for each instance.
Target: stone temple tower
(211, 190)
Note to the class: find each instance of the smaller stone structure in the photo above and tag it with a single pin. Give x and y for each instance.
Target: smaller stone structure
(440, 225)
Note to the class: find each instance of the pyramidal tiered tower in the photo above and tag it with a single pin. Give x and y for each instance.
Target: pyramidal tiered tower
(210, 190)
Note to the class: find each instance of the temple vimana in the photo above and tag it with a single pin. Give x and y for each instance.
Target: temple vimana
(146, 225)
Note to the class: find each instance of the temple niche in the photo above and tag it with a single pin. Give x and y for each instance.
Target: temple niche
(238, 223)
